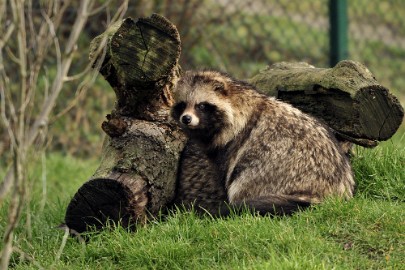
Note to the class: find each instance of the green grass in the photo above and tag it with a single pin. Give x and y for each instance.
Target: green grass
(367, 232)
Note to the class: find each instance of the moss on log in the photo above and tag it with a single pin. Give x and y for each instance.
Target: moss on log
(347, 97)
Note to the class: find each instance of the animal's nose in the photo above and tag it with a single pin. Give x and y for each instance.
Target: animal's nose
(186, 119)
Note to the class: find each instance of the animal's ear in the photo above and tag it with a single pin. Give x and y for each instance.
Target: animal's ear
(221, 87)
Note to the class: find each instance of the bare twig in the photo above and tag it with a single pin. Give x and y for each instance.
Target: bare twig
(100, 8)
(93, 66)
(8, 32)
(14, 210)
(19, 154)
(84, 86)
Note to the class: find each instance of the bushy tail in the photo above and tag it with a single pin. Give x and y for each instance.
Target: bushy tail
(273, 205)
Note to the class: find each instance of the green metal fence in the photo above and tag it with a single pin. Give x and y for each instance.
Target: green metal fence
(338, 31)
(243, 36)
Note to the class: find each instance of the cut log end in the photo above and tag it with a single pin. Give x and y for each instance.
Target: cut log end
(144, 51)
(101, 202)
(141, 58)
(380, 113)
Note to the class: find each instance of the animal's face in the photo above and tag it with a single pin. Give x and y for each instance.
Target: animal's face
(201, 104)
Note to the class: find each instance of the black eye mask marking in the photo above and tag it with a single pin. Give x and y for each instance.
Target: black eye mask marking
(205, 107)
(178, 110)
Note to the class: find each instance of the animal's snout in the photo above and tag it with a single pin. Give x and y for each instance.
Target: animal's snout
(186, 119)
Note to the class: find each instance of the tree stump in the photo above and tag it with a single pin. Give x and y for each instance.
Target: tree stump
(137, 174)
(346, 97)
(138, 169)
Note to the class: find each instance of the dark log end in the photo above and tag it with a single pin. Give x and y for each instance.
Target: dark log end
(145, 51)
(166, 26)
(380, 113)
(101, 202)
(141, 59)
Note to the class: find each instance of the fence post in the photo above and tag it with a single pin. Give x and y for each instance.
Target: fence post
(338, 31)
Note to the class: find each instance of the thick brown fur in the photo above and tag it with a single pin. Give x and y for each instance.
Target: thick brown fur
(249, 150)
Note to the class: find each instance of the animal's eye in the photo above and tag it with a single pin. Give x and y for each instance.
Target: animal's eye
(201, 106)
(205, 107)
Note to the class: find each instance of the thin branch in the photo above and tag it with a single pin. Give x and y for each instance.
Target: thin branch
(31, 25)
(7, 35)
(83, 87)
(15, 207)
(120, 12)
(100, 8)
(22, 56)
(81, 18)
(11, 108)
(57, 51)
(62, 71)
(12, 56)
(51, 12)
(3, 11)
(49, 102)
(5, 118)
(55, 41)
(42, 42)
(19, 151)
(79, 75)
(101, 51)
(56, 6)
(58, 14)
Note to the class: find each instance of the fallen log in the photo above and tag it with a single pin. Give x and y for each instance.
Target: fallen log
(138, 168)
(346, 97)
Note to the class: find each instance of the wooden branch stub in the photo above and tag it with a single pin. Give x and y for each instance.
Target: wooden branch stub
(114, 127)
(347, 97)
(141, 58)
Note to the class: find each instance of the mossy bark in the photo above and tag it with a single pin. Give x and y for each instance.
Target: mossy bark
(138, 169)
(346, 97)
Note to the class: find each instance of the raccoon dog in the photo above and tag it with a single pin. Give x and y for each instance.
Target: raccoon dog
(249, 150)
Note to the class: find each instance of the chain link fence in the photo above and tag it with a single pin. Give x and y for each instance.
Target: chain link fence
(243, 36)
(377, 39)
